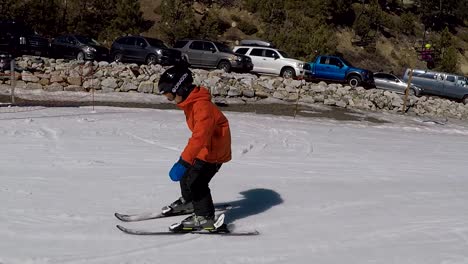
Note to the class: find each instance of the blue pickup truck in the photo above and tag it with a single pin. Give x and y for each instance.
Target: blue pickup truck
(337, 69)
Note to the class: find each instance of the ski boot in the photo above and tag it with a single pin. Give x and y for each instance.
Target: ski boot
(179, 206)
(197, 223)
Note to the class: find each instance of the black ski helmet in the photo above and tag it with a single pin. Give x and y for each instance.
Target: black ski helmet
(176, 80)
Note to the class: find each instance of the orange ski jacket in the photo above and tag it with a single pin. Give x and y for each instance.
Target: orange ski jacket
(211, 136)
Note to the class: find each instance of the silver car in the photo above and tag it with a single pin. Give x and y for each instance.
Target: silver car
(212, 54)
(390, 82)
(442, 84)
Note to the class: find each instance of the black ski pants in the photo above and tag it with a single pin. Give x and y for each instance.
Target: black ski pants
(195, 186)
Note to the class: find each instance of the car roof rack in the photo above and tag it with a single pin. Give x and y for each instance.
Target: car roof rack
(256, 42)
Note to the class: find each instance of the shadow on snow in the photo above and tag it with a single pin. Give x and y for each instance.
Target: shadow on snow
(255, 201)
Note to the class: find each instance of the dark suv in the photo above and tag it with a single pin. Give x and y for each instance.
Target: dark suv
(18, 39)
(212, 54)
(143, 50)
(78, 47)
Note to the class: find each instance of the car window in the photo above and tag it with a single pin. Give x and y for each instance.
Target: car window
(141, 43)
(71, 40)
(129, 41)
(208, 46)
(222, 47)
(389, 77)
(323, 60)
(87, 40)
(424, 75)
(386, 76)
(392, 77)
(122, 40)
(242, 50)
(257, 52)
(380, 75)
(156, 43)
(180, 44)
(450, 78)
(271, 54)
(60, 39)
(334, 61)
(196, 45)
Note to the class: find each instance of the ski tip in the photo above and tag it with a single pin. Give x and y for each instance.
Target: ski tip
(121, 217)
(121, 228)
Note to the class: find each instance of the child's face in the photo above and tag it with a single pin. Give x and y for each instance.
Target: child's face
(171, 97)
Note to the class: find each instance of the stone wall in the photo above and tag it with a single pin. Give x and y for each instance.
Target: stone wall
(61, 75)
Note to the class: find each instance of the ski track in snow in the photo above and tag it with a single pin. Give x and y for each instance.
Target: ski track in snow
(153, 142)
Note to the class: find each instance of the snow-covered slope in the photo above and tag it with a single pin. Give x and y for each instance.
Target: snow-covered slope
(319, 191)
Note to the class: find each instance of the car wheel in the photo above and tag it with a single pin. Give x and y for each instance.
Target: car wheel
(354, 81)
(80, 56)
(151, 59)
(412, 92)
(225, 66)
(288, 73)
(118, 57)
(465, 100)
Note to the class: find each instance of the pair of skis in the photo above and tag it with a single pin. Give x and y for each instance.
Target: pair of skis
(221, 227)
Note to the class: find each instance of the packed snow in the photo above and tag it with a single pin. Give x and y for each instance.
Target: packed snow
(318, 190)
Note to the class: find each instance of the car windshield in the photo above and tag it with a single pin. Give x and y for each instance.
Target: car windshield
(347, 62)
(156, 43)
(87, 40)
(223, 48)
(16, 28)
(393, 77)
(463, 81)
(284, 54)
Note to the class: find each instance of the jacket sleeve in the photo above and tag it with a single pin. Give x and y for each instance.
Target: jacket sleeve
(204, 125)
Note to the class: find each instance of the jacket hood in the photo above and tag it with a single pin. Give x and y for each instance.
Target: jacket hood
(198, 94)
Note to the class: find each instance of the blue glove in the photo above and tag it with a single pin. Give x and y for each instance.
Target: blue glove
(178, 170)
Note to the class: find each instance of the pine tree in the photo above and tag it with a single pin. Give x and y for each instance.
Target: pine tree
(128, 19)
(177, 20)
(8, 8)
(37, 14)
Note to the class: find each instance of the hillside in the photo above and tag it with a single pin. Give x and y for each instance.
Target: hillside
(387, 50)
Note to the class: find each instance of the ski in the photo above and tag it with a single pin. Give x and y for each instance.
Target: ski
(223, 232)
(153, 215)
(178, 229)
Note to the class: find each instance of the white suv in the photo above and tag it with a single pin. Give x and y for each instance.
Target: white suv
(268, 60)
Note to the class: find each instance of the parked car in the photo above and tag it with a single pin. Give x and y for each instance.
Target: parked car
(212, 54)
(440, 83)
(267, 60)
(78, 47)
(18, 39)
(143, 50)
(390, 82)
(5, 61)
(337, 69)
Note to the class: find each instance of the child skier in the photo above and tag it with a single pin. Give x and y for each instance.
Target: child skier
(206, 150)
